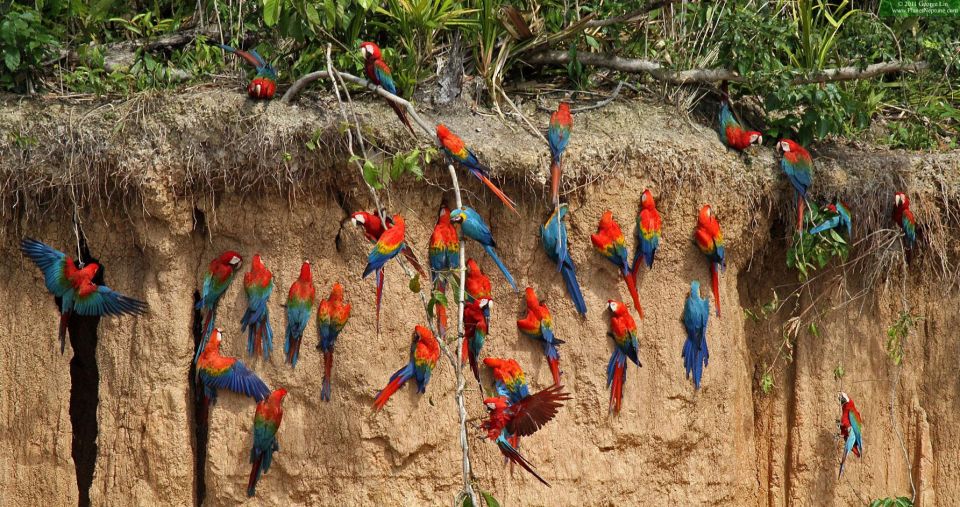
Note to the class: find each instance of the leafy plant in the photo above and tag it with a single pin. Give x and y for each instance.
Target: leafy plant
(900, 501)
(818, 25)
(766, 382)
(810, 252)
(24, 43)
(897, 335)
(839, 372)
(379, 175)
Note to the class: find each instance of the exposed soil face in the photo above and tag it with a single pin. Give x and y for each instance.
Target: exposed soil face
(167, 183)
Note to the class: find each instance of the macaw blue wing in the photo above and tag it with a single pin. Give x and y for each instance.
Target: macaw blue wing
(51, 262)
(237, 378)
(107, 302)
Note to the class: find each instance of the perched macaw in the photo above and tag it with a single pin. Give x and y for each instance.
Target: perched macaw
(475, 330)
(424, 353)
(300, 301)
(538, 324)
(798, 166)
(478, 286)
(79, 287)
(332, 316)
(648, 232)
(264, 84)
(219, 276)
(839, 217)
(695, 353)
(523, 418)
(709, 239)
(610, 243)
(454, 147)
(476, 229)
(558, 136)
(905, 219)
(851, 430)
(444, 253)
(258, 284)
(266, 422)
(553, 236)
(508, 378)
(623, 330)
(215, 371)
(732, 134)
(387, 247)
(378, 72)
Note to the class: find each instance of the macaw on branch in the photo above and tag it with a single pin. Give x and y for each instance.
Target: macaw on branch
(79, 288)
(378, 72)
(732, 134)
(264, 84)
(215, 371)
(798, 166)
(219, 276)
(478, 286)
(558, 136)
(851, 430)
(648, 232)
(258, 284)
(473, 227)
(553, 236)
(610, 243)
(444, 253)
(839, 214)
(266, 422)
(903, 217)
(538, 324)
(696, 313)
(299, 307)
(475, 330)
(709, 239)
(454, 148)
(332, 317)
(623, 331)
(424, 353)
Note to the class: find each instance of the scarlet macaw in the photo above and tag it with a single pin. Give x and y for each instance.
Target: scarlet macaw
(454, 147)
(266, 422)
(696, 313)
(839, 217)
(478, 286)
(798, 166)
(553, 236)
(300, 301)
(610, 243)
(218, 278)
(623, 330)
(732, 134)
(538, 324)
(648, 232)
(215, 371)
(851, 430)
(475, 330)
(558, 136)
(258, 284)
(473, 227)
(264, 84)
(709, 239)
(332, 317)
(444, 253)
(424, 353)
(79, 288)
(378, 72)
(903, 217)
(510, 382)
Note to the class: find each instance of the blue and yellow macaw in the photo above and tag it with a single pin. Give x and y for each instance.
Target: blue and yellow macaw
(476, 229)
(553, 235)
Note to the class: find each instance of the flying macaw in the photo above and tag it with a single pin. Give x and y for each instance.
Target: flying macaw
(454, 147)
(264, 84)
(798, 166)
(851, 430)
(648, 232)
(215, 371)
(623, 330)
(538, 324)
(300, 301)
(732, 134)
(558, 136)
(79, 287)
(266, 422)
(695, 353)
(509, 382)
(553, 236)
(523, 418)
(475, 330)
(332, 316)
(258, 284)
(839, 217)
(219, 276)
(905, 219)
(444, 253)
(476, 229)
(610, 243)
(709, 239)
(378, 72)
(424, 353)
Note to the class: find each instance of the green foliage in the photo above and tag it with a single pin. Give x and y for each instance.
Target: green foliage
(900, 501)
(414, 284)
(379, 175)
(810, 252)
(765, 311)
(24, 44)
(897, 335)
(839, 372)
(817, 25)
(766, 382)
(487, 498)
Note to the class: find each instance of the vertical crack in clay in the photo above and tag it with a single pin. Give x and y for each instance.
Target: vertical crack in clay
(200, 413)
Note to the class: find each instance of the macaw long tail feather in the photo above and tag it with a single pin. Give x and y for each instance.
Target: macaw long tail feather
(715, 283)
(503, 268)
(555, 171)
(254, 476)
(694, 359)
(800, 203)
(632, 287)
(554, 369)
(208, 323)
(442, 319)
(402, 114)
(573, 288)
(616, 378)
(508, 202)
(64, 320)
(412, 259)
(327, 368)
(396, 382)
(515, 457)
(293, 350)
(379, 279)
(468, 355)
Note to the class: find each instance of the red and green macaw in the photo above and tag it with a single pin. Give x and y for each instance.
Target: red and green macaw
(478, 286)
(839, 217)
(623, 330)
(78, 287)
(215, 371)
(648, 232)
(510, 383)
(508, 420)
(903, 217)
(538, 324)
(732, 134)
(473, 227)
(266, 422)
(424, 353)
(558, 136)
(798, 166)
(444, 253)
(264, 84)
(378, 72)
(696, 354)
(454, 147)
(553, 237)
(851, 430)
(709, 239)
(300, 301)
(220, 275)
(332, 316)
(475, 330)
(258, 284)
(610, 243)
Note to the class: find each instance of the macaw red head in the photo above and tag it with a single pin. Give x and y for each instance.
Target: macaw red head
(278, 394)
(485, 303)
(336, 293)
(901, 200)
(646, 199)
(498, 403)
(755, 137)
(472, 266)
(706, 213)
(257, 262)
(229, 258)
(213, 343)
(361, 218)
(443, 132)
(831, 208)
(616, 307)
(397, 221)
(787, 146)
(305, 274)
(531, 298)
(606, 221)
(563, 110)
(370, 50)
(443, 214)
(844, 399)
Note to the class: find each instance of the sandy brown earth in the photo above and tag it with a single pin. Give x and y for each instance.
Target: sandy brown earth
(162, 191)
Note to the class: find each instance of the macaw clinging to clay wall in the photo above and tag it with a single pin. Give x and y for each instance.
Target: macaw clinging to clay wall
(558, 136)
(475, 331)
(219, 276)
(623, 331)
(696, 313)
(649, 226)
(332, 317)
(300, 302)
(903, 217)
(258, 284)
(215, 371)
(444, 253)
(851, 430)
(266, 422)
(709, 239)
(553, 236)
(610, 243)
(424, 353)
(473, 227)
(454, 147)
(798, 166)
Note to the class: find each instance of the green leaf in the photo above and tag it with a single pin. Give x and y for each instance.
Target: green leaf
(371, 175)
(271, 12)
(415, 283)
(12, 59)
(491, 501)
